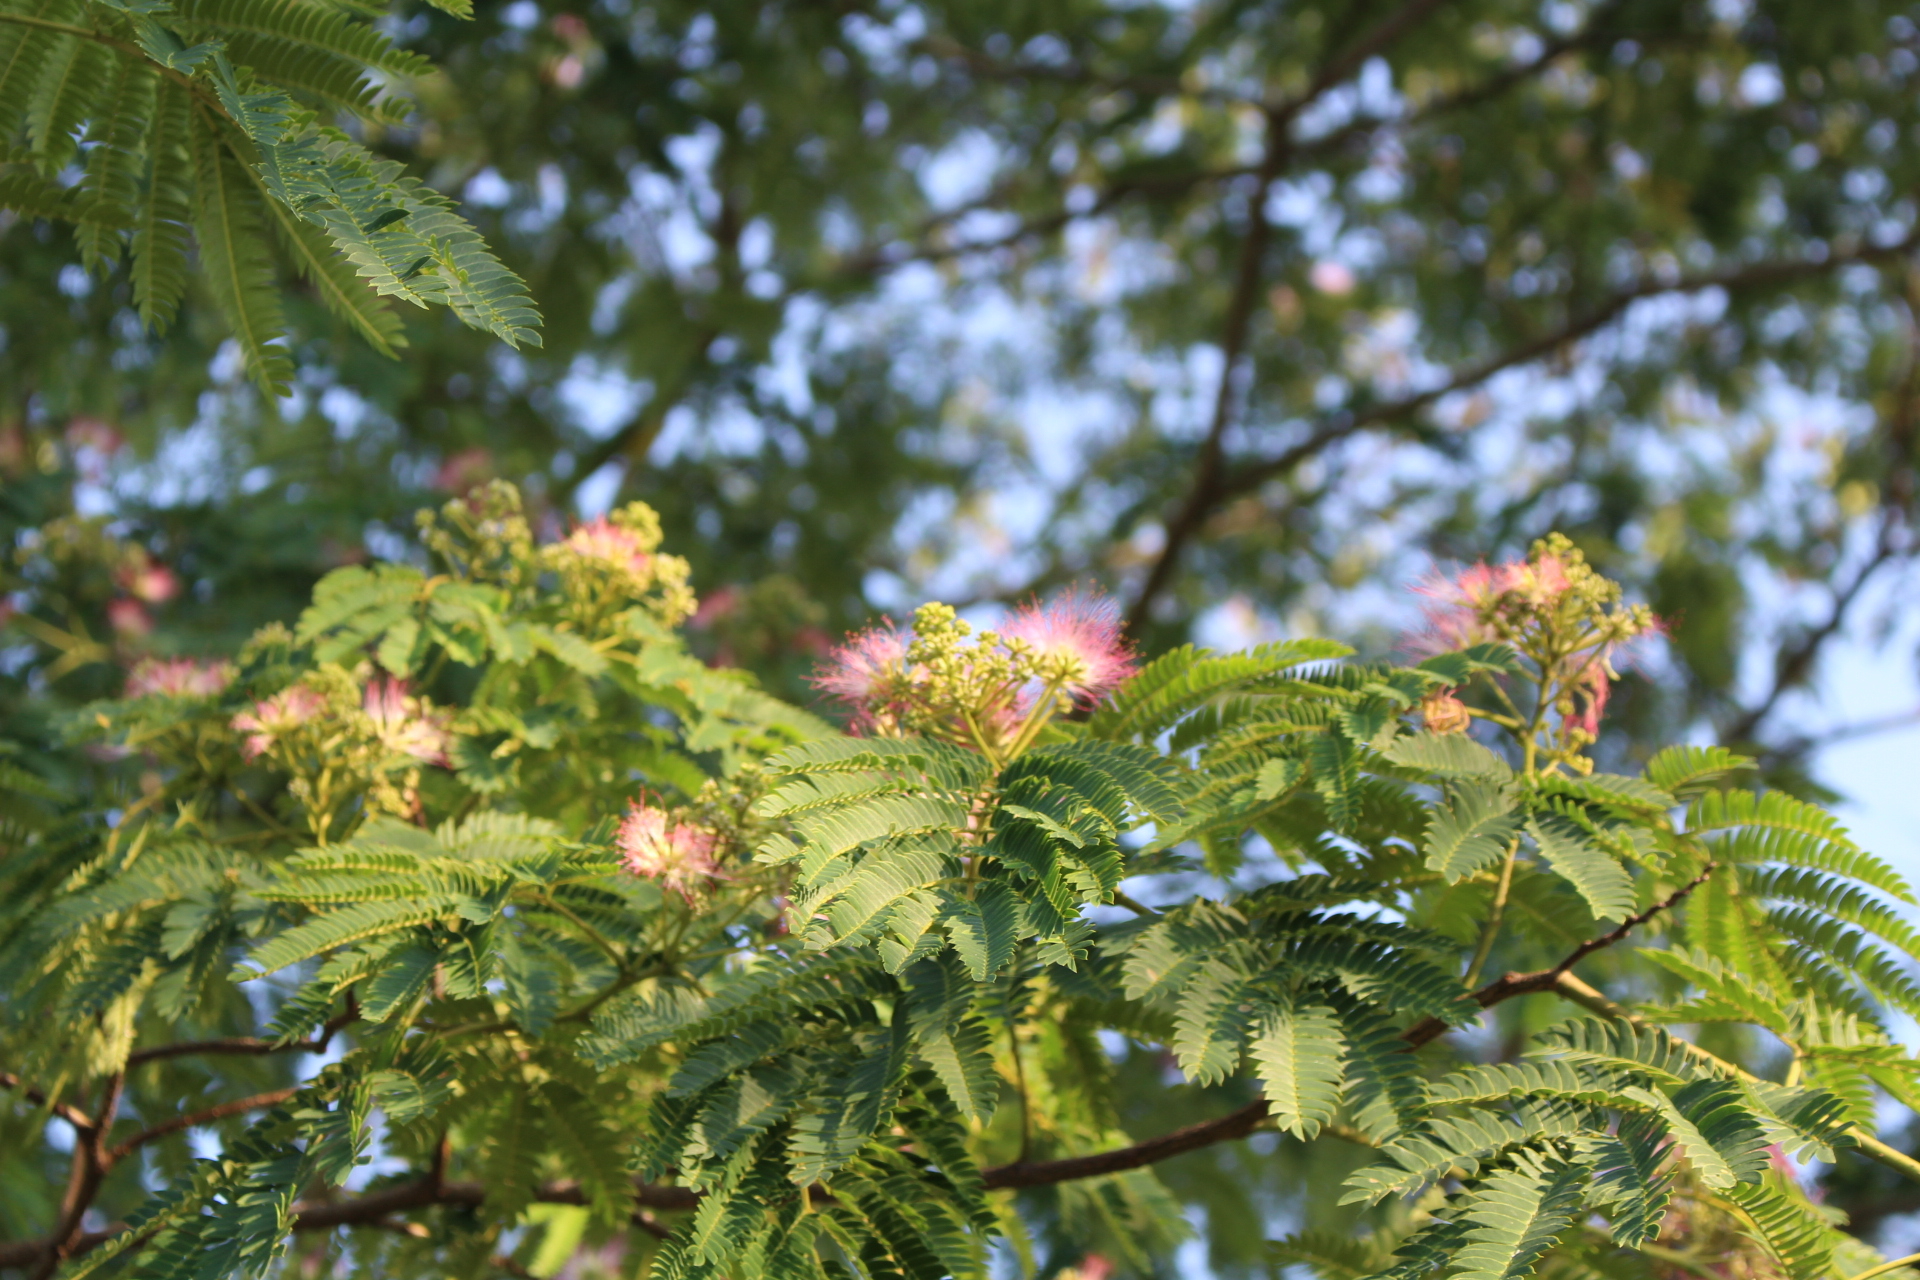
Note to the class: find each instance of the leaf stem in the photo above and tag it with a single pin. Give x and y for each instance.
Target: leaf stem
(593, 934)
(1498, 909)
(1043, 708)
(1885, 1267)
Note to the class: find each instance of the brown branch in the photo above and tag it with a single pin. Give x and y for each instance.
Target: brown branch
(219, 1111)
(80, 1120)
(249, 1044)
(1794, 664)
(1409, 16)
(637, 434)
(1209, 465)
(880, 257)
(375, 1205)
(1520, 984)
(1342, 425)
(1239, 1124)
(16, 1254)
(1040, 1173)
(988, 67)
(376, 1208)
(877, 258)
(88, 1169)
(1851, 731)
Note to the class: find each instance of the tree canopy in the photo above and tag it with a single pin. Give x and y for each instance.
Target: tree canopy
(1247, 313)
(808, 1004)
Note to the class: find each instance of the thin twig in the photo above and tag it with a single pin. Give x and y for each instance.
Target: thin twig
(1346, 423)
(1239, 1124)
(1519, 984)
(80, 1120)
(249, 1044)
(1795, 664)
(219, 1111)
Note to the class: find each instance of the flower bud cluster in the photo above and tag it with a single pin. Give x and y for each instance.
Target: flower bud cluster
(992, 691)
(1554, 610)
(602, 568)
(178, 678)
(612, 562)
(342, 734)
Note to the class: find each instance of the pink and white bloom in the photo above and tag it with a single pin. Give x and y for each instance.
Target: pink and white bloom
(601, 539)
(676, 855)
(1590, 697)
(129, 618)
(1076, 637)
(1470, 607)
(148, 581)
(869, 673)
(404, 724)
(178, 678)
(271, 717)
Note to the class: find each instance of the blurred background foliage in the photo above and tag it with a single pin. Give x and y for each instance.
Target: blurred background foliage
(1252, 312)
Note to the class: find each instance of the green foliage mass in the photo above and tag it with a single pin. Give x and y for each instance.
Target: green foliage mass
(1643, 247)
(152, 128)
(745, 224)
(877, 1019)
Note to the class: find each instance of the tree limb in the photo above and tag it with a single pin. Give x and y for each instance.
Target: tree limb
(1246, 288)
(219, 1111)
(1793, 665)
(1239, 1124)
(80, 1120)
(1339, 426)
(376, 1208)
(877, 258)
(249, 1044)
(1796, 663)
(1737, 280)
(1510, 985)
(84, 1176)
(637, 434)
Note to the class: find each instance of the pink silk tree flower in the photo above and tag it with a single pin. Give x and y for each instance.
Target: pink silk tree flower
(270, 717)
(602, 539)
(1457, 607)
(1538, 582)
(869, 673)
(676, 855)
(178, 678)
(1076, 638)
(154, 583)
(1470, 607)
(1590, 696)
(404, 724)
(129, 617)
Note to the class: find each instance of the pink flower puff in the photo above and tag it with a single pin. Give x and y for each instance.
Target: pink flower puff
(676, 855)
(404, 724)
(129, 617)
(153, 583)
(271, 717)
(1076, 636)
(178, 678)
(869, 672)
(1590, 694)
(1464, 608)
(601, 539)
